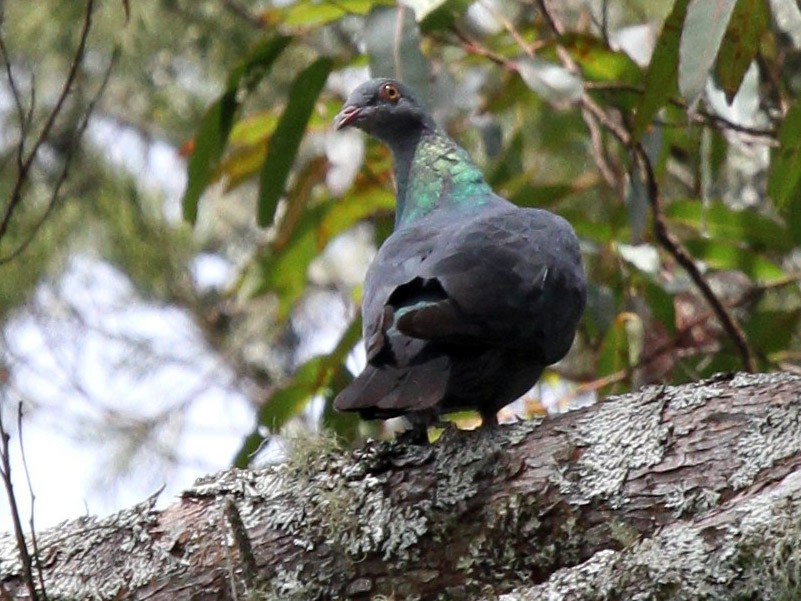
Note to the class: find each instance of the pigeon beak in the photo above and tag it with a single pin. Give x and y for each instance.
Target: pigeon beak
(346, 117)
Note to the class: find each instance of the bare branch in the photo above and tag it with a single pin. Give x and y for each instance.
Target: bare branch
(32, 495)
(62, 176)
(5, 475)
(26, 163)
(15, 94)
(669, 241)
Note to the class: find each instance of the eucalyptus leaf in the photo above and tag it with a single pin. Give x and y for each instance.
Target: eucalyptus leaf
(784, 177)
(704, 26)
(748, 23)
(661, 79)
(216, 125)
(284, 143)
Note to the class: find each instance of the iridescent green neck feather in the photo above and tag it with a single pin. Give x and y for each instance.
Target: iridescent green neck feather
(432, 173)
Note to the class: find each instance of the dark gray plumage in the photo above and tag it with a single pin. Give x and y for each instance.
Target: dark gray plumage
(471, 296)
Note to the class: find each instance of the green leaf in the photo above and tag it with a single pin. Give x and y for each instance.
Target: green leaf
(784, 175)
(216, 124)
(311, 379)
(704, 26)
(253, 129)
(209, 144)
(599, 316)
(662, 304)
(748, 23)
(772, 331)
(597, 61)
(393, 45)
(347, 212)
(544, 195)
(284, 143)
(719, 255)
(725, 224)
(284, 272)
(661, 79)
(307, 13)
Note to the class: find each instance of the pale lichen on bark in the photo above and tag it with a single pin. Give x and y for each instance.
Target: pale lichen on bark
(621, 436)
(642, 495)
(79, 571)
(754, 556)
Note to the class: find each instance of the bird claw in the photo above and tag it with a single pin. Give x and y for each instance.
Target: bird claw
(419, 422)
(415, 435)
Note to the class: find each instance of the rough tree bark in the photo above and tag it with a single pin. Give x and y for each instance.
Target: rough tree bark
(691, 492)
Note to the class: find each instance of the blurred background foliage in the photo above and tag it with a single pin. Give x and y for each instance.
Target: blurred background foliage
(262, 239)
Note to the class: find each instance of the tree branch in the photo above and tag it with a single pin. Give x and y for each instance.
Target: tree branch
(648, 488)
(20, 545)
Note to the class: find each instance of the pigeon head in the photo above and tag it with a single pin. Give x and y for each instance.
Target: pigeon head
(386, 109)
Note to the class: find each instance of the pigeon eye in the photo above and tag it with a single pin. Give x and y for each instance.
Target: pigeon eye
(390, 92)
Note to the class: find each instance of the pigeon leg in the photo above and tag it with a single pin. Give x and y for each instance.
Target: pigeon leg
(419, 422)
(489, 419)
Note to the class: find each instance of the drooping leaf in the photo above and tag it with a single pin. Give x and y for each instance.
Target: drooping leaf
(313, 378)
(240, 165)
(541, 196)
(748, 23)
(348, 211)
(643, 257)
(704, 26)
(298, 199)
(662, 304)
(284, 270)
(284, 143)
(600, 312)
(661, 79)
(284, 273)
(393, 45)
(253, 129)
(723, 223)
(216, 125)
(208, 149)
(784, 177)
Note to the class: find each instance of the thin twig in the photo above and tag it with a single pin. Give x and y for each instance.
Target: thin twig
(5, 474)
(700, 116)
(669, 241)
(72, 151)
(15, 94)
(31, 522)
(27, 162)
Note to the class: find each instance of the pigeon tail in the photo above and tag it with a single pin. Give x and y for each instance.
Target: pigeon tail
(384, 390)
